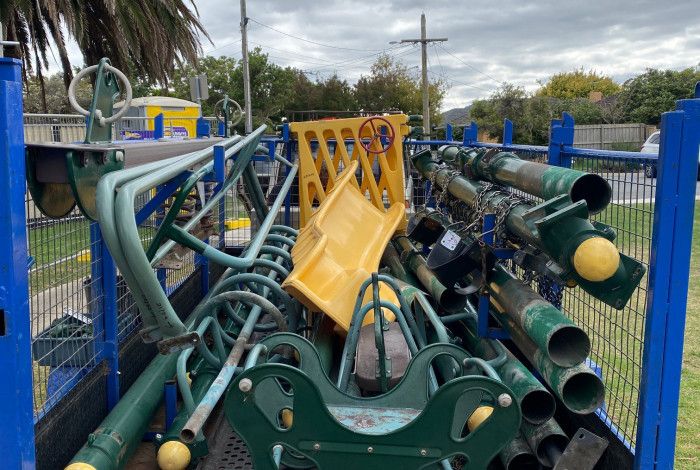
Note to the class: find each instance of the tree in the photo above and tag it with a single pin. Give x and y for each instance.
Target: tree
(56, 101)
(508, 102)
(578, 84)
(531, 115)
(646, 96)
(150, 35)
(336, 94)
(391, 87)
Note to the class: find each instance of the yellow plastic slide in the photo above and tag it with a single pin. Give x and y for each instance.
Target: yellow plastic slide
(339, 248)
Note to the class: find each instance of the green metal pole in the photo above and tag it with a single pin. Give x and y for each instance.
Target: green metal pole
(547, 440)
(517, 455)
(565, 343)
(558, 227)
(578, 387)
(538, 179)
(536, 403)
(446, 297)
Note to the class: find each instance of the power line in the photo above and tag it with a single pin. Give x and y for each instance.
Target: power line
(471, 66)
(308, 40)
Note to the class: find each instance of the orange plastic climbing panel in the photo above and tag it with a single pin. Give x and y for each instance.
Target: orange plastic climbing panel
(327, 147)
(339, 248)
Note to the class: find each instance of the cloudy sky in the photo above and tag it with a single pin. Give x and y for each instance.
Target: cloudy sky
(490, 41)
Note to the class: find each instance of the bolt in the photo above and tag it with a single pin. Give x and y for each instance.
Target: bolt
(505, 400)
(370, 449)
(317, 446)
(245, 385)
(159, 437)
(119, 156)
(423, 452)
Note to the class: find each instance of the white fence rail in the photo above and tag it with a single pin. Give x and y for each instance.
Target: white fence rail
(71, 127)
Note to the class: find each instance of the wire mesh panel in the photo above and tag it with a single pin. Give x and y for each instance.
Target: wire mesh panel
(63, 309)
(617, 336)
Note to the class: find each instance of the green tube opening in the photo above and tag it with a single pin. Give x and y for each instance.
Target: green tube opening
(583, 393)
(524, 461)
(568, 346)
(538, 406)
(553, 441)
(594, 190)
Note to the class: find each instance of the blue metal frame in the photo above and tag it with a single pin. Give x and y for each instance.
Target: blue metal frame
(669, 265)
(668, 280)
(16, 397)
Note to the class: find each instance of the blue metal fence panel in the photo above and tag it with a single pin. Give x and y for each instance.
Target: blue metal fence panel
(16, 403)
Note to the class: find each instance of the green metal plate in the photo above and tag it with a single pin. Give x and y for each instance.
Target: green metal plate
(85, 168)
(53, 197)
(317, 434)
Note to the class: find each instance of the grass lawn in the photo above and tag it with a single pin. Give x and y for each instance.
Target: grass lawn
(688, 439)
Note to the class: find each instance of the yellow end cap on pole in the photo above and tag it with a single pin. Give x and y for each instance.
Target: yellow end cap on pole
(479, 416)
(287, 418)
(80, 466)
(596, 259)
(173, 455)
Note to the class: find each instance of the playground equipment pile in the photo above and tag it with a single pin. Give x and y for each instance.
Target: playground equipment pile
(372, 336)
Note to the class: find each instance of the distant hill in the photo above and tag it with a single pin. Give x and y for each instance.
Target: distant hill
(458, 116)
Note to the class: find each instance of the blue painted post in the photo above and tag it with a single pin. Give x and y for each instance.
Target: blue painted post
(449, 133)
(170, 393)
(561, 134)
(104, 311)
(507, 132)
(158, 126)
(16, 404)
(288, 143)
(668, 286)
(111, 313)
(221, 130)
(470, 135)
(203, 127)
(220, 175)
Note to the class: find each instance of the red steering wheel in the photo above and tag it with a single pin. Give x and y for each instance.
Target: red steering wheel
(386, 138)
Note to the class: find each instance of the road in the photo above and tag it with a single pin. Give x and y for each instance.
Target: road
(634, 187)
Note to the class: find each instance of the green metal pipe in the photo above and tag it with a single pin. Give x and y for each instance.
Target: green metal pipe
(538, 179)
(565, 343)
(255, 192)
(536, 403)
(559, 227)
(517, 455)
(202, 379)
(578, 387)
(447, 298)
(547, 441)
(105, 196)
(119, 434)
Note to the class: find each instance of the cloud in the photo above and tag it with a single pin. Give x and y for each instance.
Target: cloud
(490, 41)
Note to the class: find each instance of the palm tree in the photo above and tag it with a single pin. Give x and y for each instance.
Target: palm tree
(144, 37)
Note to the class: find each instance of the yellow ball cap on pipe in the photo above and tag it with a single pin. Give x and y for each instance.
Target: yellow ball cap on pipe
(478, 416)
(596, 259)
(80, 466)
(173, 455)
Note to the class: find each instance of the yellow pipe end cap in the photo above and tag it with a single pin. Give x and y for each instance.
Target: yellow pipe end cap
(173, 455)
(596, 259)
(479, 416)
(80, 466)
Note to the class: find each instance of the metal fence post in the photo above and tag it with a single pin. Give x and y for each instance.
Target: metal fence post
(668, 286)
(16, 403)
(507, 132)
(561, 134)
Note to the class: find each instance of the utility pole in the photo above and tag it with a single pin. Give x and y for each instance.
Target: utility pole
(424, 40)
(246, 70)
